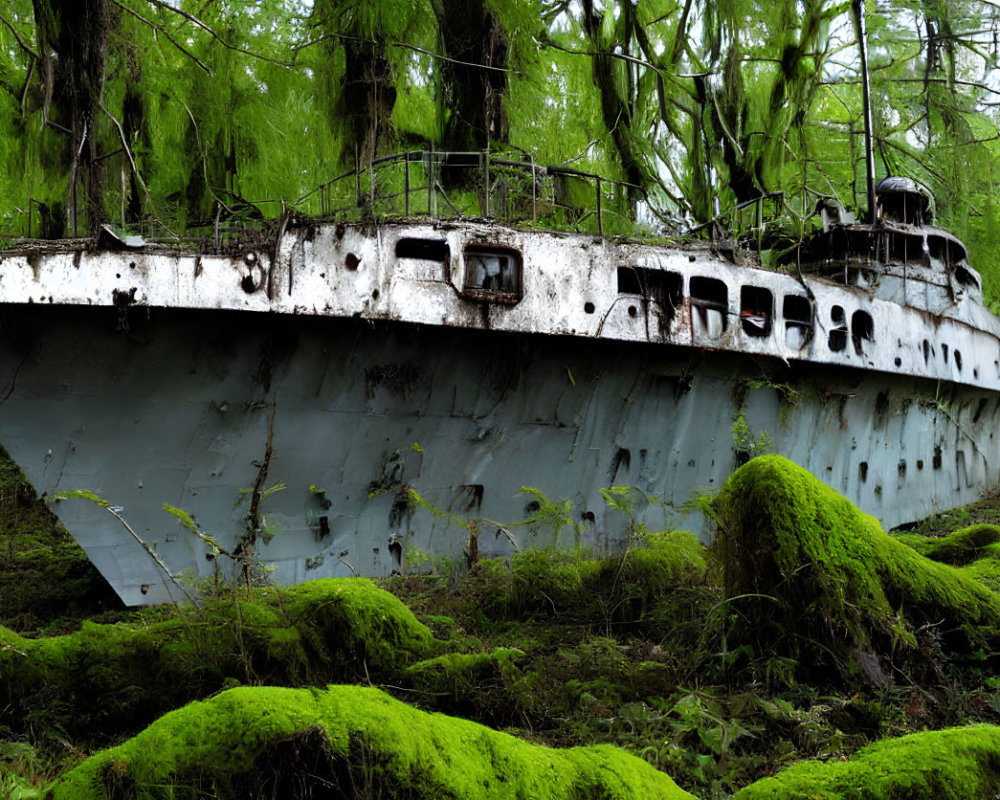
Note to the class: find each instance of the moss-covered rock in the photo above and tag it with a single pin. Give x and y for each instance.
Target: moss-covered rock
(953, 764)
(346, 741)
(960, 547)
(117, 678)
(812, 577)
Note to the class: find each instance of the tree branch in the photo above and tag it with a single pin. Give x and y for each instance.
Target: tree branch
(192, 18)
(169, 38)
(404, 46)
(20, 41)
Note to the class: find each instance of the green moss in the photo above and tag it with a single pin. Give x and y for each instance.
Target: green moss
(811, 575)
(960, 547)
(118, 677)
(352, 738)
(952, 764)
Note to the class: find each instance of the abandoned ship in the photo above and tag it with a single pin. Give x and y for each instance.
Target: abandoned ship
(288, 393)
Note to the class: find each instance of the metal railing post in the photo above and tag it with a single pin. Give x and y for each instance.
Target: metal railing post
(406, 184)
(600, 221)
(534, 193)
(486, 180)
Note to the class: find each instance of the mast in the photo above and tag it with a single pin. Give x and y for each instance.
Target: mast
(857, 7)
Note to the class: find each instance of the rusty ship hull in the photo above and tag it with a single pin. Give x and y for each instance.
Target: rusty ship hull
(299, 393)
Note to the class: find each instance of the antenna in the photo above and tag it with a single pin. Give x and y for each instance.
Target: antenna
(859, 21)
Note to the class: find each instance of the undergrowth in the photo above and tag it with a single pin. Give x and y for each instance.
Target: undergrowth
(717, 667)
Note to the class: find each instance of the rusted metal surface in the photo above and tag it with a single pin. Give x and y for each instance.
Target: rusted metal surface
(349, 361)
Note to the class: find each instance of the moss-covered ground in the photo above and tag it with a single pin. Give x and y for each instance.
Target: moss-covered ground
(794, 659)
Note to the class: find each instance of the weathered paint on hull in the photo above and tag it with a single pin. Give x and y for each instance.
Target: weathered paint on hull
(182, 406)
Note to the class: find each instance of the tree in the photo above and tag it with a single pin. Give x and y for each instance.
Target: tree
(172, 117)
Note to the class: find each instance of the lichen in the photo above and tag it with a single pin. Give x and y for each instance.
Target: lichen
(952, 764)
(357, 742)
(118, 677)
(813, 577)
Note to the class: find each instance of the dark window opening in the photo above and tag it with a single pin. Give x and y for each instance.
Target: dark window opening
(966, 277)
(863, 471)
(492, 273)
(756, 310)
(428, 249)
(958, 360)
(936, 463)
(905, 249)
(920, 463)
(862, 330)
(944, 353)
(927, 351)
(837, 339)
(797, 311)
(664, 288)
(709, 292)
(901, 468)
(709, 304)
(628, 281)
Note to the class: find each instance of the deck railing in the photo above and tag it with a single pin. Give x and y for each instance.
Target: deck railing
(482, 184)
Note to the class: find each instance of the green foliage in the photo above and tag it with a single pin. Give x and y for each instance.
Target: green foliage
(624, 588)
(80, 494)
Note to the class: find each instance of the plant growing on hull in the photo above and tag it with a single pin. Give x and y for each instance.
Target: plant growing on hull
(471, 525)
(630, 501)
(116, 512)
(746, 445)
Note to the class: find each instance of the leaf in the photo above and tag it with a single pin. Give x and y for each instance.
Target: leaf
(278, 487)
(82, 494)
(188, 522)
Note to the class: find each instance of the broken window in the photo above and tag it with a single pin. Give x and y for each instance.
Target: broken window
(756, 310)
(862, 330)
(709, 305)
(492, 273)
(837, 339)
(797, 311)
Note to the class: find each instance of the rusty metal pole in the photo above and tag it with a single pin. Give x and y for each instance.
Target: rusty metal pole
(859, 21)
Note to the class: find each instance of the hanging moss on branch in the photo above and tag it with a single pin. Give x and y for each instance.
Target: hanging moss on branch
(952, 764)
(813, 578)
(106, 678)
(347, 741)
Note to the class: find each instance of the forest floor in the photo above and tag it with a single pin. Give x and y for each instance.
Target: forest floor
(660, 651)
